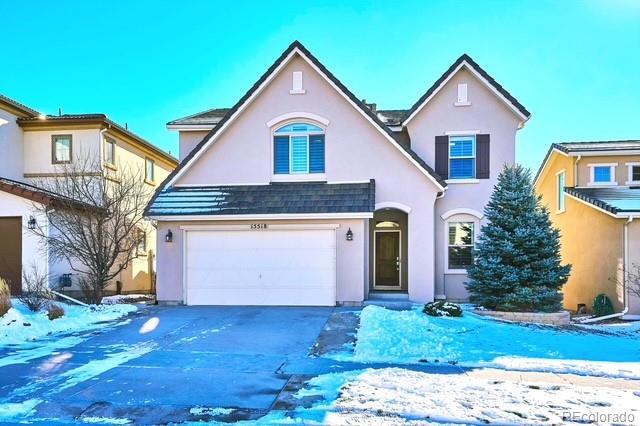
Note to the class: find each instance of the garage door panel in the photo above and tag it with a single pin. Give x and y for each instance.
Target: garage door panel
(284, 267)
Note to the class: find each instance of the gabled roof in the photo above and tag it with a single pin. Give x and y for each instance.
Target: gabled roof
(98, 120)
(618, 201)
(466, 61)
(17, 107)
(297, 48)
(275, 198)
(210, 117)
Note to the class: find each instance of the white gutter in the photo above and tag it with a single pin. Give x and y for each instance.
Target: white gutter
(625, 277)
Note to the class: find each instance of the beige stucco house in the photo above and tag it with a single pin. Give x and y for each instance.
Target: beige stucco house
(302, 194)
(32, 146)
(592, 190)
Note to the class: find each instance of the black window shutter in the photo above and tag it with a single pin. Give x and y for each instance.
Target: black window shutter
(483, 157)
(442, 156)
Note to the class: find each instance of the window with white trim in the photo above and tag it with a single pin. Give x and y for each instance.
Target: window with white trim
(633, 177)
(461, 241)
(603, 174)
(298, 148)
(462, 157)
(560, 191)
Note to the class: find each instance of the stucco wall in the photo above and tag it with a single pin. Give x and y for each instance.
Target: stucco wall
(37, 148)
(188, 140)
(486, 114)
(591, 242)
(350, 255)
(10, 147)
(355, 151)
(634, 260)
(621, 171)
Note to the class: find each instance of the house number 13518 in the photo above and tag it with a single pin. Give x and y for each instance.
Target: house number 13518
(258, 226)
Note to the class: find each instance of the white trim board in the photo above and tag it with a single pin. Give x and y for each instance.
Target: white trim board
(287, 216)
(261, 88)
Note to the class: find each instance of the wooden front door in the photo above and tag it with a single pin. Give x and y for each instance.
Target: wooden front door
(11, 252)
(387, 260)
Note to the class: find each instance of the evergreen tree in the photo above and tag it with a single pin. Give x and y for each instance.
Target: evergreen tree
(517, 260)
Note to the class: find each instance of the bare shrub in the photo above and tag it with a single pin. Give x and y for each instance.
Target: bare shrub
(97, 220)
(5, 297)
(35, 293)
(54, 311)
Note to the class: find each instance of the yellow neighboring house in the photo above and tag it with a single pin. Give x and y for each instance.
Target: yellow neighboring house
(33, 145)
(592, 190)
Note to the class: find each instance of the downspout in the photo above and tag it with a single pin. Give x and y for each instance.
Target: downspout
(575, 171)
(625, 276)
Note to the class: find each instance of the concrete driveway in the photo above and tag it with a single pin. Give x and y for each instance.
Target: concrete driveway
(167, 360)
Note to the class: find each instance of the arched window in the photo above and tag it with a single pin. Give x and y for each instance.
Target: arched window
(298, 148)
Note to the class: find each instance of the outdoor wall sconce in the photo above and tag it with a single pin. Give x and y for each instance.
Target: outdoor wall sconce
(31, 224)
(349, 235)
(169, 237)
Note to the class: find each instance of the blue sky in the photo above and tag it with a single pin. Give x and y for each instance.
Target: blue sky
(574, 64)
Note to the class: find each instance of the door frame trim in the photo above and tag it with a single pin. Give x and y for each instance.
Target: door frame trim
(375, 258)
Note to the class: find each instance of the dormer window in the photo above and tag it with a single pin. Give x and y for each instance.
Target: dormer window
(298, 148)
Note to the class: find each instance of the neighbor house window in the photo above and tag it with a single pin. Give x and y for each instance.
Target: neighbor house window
(634, 174)
(560, 191)
(460, 249)
(603, 174)
(142, 242)
(61, 149)
(149, 171)
(462, 157)
(298, 148)
(110, 151)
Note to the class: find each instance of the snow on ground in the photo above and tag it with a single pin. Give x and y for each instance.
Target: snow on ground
(404, 337)
(126, 298)
(395, 396)
(20, 325)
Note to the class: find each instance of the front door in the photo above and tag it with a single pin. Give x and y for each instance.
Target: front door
(387, 260)
(11, 253)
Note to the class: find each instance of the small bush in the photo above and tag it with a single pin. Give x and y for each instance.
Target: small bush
(442, 308)
(54, 311)
(5, 297)
(602, 305)
(35, 292)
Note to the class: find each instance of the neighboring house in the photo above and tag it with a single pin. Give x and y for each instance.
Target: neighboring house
(301, 194)
(32, 145)
(592, 190)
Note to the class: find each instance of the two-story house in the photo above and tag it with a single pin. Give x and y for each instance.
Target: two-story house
(592, 190)
(33, 145)
(301, 194)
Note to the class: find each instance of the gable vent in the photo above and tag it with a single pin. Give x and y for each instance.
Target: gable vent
(296, 81)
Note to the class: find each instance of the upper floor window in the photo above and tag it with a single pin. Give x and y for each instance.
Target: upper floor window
(603, 174)
(109, 151)
(142, 242)
(149, 170)
(634, 174)
(560, 191)
(298, 148)
(462, 157)
(61, 149)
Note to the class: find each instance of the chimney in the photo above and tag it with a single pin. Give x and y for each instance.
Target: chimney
(373, 107)
(59, 111)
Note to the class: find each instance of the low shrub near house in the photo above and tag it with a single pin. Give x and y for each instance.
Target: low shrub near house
(442, 308)
(35, 293)
(54, 311)
(602, 305)
(5, 297)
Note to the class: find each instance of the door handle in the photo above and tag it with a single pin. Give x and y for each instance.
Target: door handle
(397, 263)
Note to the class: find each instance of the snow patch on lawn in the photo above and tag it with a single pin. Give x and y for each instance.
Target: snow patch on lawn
(210, 411)
(126, 298)
(105, 420)
(18, 410)
(407, 337)
(20, 325)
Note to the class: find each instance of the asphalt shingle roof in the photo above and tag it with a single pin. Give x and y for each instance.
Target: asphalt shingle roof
(210, 116)
(275, 198)
(622, 145)
(614, 200)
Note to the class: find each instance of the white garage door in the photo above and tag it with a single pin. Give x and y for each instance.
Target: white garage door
(260, 267)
